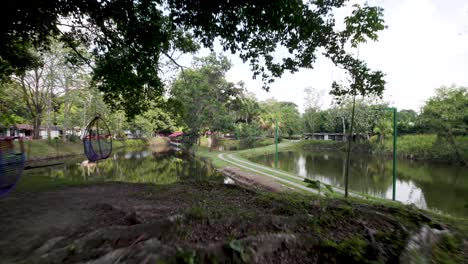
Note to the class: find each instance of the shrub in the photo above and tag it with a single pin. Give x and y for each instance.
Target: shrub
(430, 147)
(73, 138)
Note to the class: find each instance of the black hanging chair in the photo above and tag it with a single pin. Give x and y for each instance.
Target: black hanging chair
(97, 140)
(12, 159)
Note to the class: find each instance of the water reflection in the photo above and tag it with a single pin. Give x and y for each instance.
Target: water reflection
(436, 186)
(144, 166)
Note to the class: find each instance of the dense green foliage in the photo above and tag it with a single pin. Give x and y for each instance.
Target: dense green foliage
(445, 115)
(129, 43)
(11, 112)
(208, 102)
(156, 119)
(205, 96)
(368, 112)
(200, 99)
(285, 114)
(420, 146)
(431, 147)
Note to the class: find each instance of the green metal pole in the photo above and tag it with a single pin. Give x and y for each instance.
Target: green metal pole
(394, 152)
(276, 143)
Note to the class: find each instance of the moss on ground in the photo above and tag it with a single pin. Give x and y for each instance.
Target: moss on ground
(347, 231)
(230, 224)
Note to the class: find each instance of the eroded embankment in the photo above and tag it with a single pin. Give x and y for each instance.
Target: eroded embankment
(200, 222)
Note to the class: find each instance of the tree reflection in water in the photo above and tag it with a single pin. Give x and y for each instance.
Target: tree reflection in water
(435, 186)
(143, 166)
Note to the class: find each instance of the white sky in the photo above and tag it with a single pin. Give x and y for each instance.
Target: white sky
(424, 47)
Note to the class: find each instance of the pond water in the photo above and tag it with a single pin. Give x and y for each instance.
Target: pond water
(439, 187)
(141, 166)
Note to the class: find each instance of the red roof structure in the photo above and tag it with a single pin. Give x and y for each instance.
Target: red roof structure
(176, 134)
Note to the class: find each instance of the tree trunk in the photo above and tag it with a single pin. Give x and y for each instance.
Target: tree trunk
(66, 111)
(344, 129)
(36, 127)
(65, 126)
(49, 119)
(350, 139)
(84, 118)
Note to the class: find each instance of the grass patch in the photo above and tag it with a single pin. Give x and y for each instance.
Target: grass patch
(286, 203)
(197, 213)
(37, 149)
(351, 250)
(45, 149)
(447, 250)
(131, 143)
(423, 146)
(219, 163)
(283, 146)
(239, 144)
(204, 152)
(428, 147)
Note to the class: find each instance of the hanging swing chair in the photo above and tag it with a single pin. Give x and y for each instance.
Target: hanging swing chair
(97, 140)
(12, 162)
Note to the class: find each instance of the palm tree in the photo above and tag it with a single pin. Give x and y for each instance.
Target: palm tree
(384, 129)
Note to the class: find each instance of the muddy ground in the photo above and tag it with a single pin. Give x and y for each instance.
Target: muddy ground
(207, 222)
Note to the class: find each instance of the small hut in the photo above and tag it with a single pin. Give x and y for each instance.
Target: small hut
(176, 138)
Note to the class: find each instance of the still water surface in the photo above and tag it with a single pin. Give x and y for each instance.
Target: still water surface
(142, 166)
(439, 187)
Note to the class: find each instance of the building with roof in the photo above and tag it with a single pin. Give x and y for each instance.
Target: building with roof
(18, 130)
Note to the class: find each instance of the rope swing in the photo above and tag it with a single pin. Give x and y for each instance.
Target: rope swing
(97, 140)
(12, 163)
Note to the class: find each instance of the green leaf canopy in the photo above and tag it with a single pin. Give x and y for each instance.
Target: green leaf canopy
(130, 40)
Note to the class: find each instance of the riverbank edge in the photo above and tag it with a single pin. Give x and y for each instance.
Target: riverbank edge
(331, 209)
(220, 164)
(285, 178)
(75, 149)
(456, 224)
(423, 148)
(265, 213)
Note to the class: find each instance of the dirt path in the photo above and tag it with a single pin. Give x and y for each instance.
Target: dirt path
(30, 219)
(252, 180)
(252, 168)
(278, 175)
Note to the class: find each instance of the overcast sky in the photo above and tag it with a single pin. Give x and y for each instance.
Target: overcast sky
(424, 47)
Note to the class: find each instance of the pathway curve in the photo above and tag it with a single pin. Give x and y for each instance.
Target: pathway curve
(266, 171)
(290, 183)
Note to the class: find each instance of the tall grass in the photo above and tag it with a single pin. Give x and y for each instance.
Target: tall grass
(337, 145)
(412, 145)
(43, 149)
(423, 146)
(239, 144)
(46, 149)
(429, 147)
